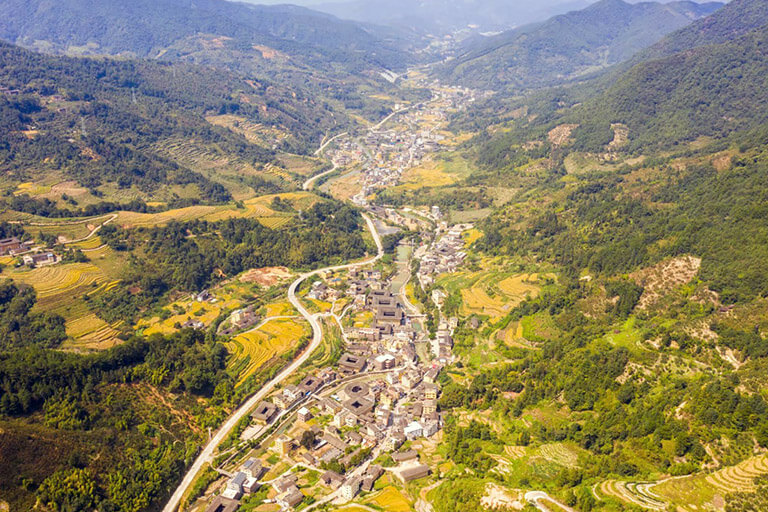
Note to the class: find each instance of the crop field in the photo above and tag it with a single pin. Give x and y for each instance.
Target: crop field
(436, 173)
(391, 500)
(491, 293)
(252, 349)
(92, 333)
(279, 309)
(61, 289)
(559, 453)
(201, 311)
(57, 285)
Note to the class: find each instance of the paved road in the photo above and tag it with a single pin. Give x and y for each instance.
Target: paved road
(327, 143)
(311, 181)
(206, 456)
(535, 497)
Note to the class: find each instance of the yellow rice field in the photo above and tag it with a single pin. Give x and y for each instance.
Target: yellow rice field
(252, 349)
(391, 500)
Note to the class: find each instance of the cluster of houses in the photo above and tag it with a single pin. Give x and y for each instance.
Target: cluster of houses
(14, 246)
(6, 91)
(445, 255)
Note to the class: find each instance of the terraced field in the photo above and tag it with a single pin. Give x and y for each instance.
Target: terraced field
(56, 285)
(491, 293)
(92, 333)
(61, 289)
(391, 500)
(254, 348)
(514, 452)
(691, 493)
(559, 454)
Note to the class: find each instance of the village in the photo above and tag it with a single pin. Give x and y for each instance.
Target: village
(384, 154)
(333, 433)
(350, 424)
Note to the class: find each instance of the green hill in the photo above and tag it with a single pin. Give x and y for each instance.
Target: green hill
(146, 28)
(130, 129)
(571, 45)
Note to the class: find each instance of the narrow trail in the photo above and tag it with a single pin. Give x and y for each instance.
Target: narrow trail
(206, 456)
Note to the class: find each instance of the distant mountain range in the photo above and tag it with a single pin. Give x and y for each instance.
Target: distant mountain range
(569, 46)
(440, 16)
(147, 28)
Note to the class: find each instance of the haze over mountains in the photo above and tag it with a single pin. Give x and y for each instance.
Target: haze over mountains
(603, 323)
(570, 45)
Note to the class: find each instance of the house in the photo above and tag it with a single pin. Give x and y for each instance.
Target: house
(283, 445)
(414, 430)
(350, 489)
(264, 412)
(351, 363)
(284, 484)
(9, 246)
(354, 438)
(405, 456)
(222, 504)
(40, 260)
(430, 406)
(413, 473)
(234, 488)
(304, 414)
(332, 479)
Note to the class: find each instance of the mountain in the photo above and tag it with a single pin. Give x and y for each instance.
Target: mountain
(734, 20)
(147, 28)
(445, 16)
(569, 46)
(122, 129)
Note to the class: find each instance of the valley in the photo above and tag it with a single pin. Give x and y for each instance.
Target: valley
(264, 259)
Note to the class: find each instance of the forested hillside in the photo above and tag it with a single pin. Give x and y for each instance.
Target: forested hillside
(111, 125)
(146, 28)
(569, 46)
(645, 361)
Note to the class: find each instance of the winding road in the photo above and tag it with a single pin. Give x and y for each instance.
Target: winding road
(206, 456)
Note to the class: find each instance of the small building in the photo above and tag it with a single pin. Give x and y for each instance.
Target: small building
(264, 412)
(304, 414)
(310, 384)
(290, 498)
(413, 473)
(332, 479)
(222, 504)
(430, 407)
(285, 484)
(384, 362)
(283, 445)
(413, 430)
(351, 363)
(350, 489)
(40, 260)
(234, 488)
(405, 456)
(9, 246)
